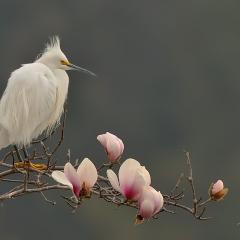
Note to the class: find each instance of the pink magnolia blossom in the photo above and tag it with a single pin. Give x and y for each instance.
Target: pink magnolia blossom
(112, 144)
(132, 178)
(150, 202)
(217, 191)
(217, 187)
(82, 179)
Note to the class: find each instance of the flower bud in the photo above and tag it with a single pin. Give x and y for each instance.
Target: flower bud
(113, 145)
(217, 191)
(150, 202)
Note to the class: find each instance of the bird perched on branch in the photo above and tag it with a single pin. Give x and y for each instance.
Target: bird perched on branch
(34, 98)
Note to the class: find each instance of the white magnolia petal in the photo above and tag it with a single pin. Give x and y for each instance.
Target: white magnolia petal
(127, 171)
(115, 138)
(102, 139)
(72, 176)
(87, 172)
(61, 178)
(110, 135)
(139, 180)
(158, 199)
(114, 149)
(121, 145)
(145, 175)
(147, 202)
(112, 177)
(146, 209)
(146, 193)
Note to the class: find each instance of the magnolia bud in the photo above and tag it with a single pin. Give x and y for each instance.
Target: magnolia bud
(217, 191)
(113, 145)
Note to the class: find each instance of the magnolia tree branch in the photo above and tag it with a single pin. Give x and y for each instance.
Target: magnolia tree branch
(28, 170)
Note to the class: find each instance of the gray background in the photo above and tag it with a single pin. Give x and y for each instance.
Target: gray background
(168, 80)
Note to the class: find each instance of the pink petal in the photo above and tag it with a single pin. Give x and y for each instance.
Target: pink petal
(112, 144)
(127, 171)
(102, 139)
(61, 178)
(110, 135)
(217, 187)
(73, 178)
(87, 173)
(158, 200)
(113, 149)
(114, 137)
(121, 145)
(153, 198)
(112, 177)
(146, 203)
(145, 175)
(146, 209)
(132, 190)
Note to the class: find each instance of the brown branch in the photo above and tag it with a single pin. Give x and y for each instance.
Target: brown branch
(190, 180)
(29, 176)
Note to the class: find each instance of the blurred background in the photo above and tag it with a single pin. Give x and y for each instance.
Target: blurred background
(168, 81)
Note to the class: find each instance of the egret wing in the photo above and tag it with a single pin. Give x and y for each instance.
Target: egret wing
(28, 102)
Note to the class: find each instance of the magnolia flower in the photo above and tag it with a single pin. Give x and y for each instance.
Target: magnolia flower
(150, 202)
(217, 191)
(132, 178)
(80, 181)
(112, 144)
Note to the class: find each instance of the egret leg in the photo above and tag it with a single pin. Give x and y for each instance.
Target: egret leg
(13, 159)
(26, 156)
(25, 152)
(18, 153)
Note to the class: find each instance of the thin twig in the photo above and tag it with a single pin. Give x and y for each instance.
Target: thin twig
(36, 178)
(190, 180)
(46, 199)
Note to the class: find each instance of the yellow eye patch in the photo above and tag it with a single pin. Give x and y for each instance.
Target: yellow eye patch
(64, 62)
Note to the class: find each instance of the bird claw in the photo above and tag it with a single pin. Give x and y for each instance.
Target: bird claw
(28, 164)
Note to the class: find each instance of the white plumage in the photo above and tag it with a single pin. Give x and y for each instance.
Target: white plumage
(34, 97)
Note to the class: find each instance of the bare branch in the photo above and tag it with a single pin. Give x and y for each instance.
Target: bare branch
(29, 176)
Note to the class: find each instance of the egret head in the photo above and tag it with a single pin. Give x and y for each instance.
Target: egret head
(54, 58)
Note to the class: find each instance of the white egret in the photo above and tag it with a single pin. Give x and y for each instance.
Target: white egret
(34, 98)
